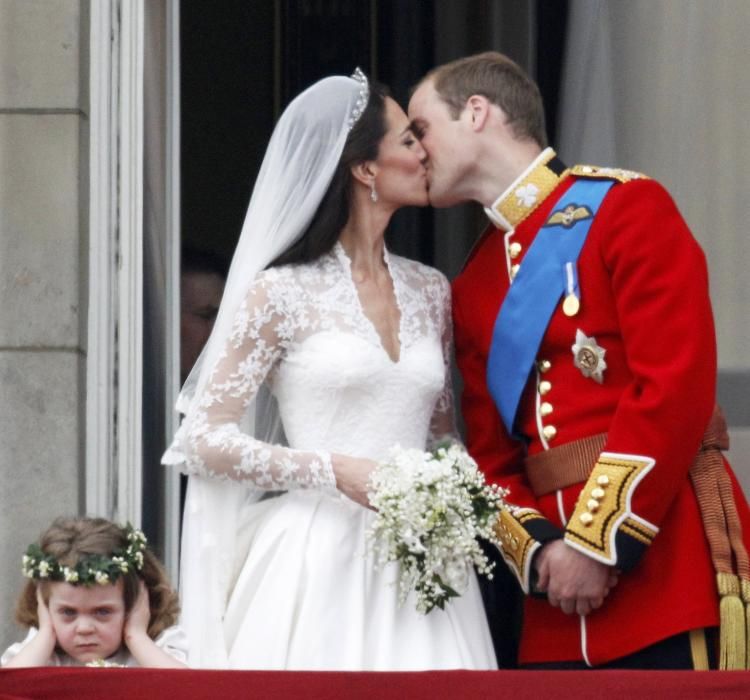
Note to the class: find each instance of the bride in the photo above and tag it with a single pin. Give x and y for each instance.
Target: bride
(327, 351)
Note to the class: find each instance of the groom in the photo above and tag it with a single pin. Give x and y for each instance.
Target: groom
(585, 338)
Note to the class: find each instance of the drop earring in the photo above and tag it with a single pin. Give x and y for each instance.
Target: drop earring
(373, 191)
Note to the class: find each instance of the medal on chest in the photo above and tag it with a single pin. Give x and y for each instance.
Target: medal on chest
(588, 356)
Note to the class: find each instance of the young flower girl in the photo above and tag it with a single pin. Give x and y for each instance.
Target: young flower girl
(96, 596)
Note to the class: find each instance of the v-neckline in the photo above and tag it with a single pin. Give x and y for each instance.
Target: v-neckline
(346, 261)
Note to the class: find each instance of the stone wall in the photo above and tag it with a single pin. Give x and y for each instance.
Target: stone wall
(43, 274)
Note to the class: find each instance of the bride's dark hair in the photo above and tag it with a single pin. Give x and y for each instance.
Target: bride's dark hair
(362, 144)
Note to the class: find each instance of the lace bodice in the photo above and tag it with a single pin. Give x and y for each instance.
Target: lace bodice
(302, 333)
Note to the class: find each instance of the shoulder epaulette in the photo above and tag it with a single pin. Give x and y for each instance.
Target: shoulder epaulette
(595, 171)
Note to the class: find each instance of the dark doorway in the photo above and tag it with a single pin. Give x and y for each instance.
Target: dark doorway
(243, 61)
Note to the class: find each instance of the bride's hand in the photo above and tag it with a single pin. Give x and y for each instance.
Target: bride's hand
(352, 477)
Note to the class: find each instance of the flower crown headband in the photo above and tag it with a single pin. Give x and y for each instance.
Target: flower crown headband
(91, 569)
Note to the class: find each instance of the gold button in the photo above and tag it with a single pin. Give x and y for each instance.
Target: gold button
(515, 249)
(602, 480)
(549, 432)
(597, 493)
(546, 408)
(586, 518)
(544, 387)
(514, 270)
(593, 505)
(544, 366)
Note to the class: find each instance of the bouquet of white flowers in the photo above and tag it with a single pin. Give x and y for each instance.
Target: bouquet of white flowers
(431, 508)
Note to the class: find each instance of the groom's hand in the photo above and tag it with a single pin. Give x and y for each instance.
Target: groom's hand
(573, 582)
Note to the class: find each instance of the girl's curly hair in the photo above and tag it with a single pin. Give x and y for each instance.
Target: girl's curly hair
(71, 539)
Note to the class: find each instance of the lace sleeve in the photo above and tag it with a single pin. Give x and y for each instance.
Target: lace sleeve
(443, 422)
(217, 446)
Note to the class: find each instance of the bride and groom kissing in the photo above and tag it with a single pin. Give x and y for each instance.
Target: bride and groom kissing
(328, 350)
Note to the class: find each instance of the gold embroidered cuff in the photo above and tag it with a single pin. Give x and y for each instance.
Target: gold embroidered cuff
(603, 521)
(516, 545)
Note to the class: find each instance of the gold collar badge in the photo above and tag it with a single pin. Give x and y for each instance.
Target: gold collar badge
(588, 356)
(526, 193)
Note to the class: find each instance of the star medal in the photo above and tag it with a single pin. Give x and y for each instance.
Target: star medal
(588, 356)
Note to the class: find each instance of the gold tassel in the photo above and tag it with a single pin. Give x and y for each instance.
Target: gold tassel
(745, 586)
(733, 633)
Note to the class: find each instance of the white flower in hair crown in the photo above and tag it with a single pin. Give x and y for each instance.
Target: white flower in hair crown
(362, 99)
(91, 569)
(103, 663)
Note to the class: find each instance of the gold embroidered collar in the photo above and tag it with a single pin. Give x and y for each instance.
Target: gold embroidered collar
(525, 194)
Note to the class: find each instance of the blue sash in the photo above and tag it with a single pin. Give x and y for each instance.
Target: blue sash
(535, 293)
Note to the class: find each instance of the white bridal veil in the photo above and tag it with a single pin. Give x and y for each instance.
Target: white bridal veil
(299, 163)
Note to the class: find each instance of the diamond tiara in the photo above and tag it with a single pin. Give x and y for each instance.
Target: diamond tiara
(362, 99)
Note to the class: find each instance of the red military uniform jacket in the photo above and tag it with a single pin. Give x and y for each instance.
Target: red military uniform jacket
(645, 313)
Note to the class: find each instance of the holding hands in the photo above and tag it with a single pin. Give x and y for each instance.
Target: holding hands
(573, 582)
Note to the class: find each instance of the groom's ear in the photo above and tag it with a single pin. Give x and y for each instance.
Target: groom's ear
(478, 111)
(364, 172)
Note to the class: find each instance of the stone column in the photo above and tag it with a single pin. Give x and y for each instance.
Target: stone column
(43, 274)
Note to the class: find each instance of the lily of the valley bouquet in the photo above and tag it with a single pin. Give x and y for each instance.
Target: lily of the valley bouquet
(431, 510)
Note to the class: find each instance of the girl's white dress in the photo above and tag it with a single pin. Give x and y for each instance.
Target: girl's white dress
(302, 591)
(172, 640)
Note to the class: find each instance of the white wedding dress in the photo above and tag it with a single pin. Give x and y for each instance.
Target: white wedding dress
(303, 591)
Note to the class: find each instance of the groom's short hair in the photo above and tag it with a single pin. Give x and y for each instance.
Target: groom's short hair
(502, 82)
